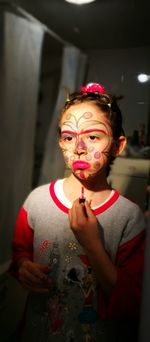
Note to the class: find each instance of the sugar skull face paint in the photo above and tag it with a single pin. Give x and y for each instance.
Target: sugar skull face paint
(86, 139)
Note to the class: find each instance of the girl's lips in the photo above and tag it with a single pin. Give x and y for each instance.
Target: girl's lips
(81, 165)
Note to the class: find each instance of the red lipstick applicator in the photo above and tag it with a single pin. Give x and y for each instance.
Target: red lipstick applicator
(82, 198)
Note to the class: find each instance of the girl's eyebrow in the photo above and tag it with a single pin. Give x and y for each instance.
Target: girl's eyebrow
(85, 132)
(94, 130)
(69, 132)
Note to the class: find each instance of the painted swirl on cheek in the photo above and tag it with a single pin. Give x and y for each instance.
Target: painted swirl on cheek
(91, 149)
(88, 157)
(96, 165)
(97, 155)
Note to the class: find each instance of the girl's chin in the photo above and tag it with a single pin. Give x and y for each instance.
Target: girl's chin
(83, 174)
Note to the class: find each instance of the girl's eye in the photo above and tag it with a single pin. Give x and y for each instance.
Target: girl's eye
(92, 137)
(68, 138)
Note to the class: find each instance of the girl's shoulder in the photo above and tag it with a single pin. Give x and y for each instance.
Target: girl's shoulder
(41, 189)
(132, 214)
(38, 194)
(129, 206)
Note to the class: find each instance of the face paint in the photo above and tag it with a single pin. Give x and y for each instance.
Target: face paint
(80, 165)
(97, 155)
(88, 157)
(86, 139)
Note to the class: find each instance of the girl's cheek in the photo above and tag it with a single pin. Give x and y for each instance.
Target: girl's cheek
(97, 155)
(96, 165)
(93, 155)
(88, 157)
(68, 159)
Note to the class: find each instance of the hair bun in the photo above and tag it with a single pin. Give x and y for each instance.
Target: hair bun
(93, 88)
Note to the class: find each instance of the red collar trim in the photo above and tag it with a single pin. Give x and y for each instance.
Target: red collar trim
(96, 211)
(108, 204)
(55, 198)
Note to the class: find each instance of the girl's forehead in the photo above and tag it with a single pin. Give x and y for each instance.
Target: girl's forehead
(84, 112)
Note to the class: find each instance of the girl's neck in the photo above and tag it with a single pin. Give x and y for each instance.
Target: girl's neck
(96, 191)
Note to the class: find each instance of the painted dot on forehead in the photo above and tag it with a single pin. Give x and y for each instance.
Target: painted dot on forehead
(88, 157)
(87, 115)
(97, 155)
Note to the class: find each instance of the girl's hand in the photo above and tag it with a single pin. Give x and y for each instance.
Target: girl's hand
(84, 225)
(87, 231)
(33, 276)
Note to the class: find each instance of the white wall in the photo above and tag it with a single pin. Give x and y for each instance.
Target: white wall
(117, 69)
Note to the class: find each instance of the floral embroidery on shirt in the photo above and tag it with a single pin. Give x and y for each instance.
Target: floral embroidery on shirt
(72, 246)
(43, 248)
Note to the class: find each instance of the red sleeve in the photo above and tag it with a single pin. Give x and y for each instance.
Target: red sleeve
(125, 298)
(23, 238)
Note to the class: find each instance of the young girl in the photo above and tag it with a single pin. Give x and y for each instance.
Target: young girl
(78, 245)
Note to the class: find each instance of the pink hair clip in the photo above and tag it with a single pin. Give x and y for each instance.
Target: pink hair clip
(93, 88)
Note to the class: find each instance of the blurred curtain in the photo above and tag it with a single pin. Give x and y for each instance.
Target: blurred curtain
(20, 50)
(73, 70)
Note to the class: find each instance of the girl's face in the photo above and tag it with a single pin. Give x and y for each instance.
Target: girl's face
(86, 140)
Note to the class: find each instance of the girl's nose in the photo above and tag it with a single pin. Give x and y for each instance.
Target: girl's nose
(80, 147)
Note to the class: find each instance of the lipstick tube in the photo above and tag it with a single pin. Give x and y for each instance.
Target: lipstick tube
(82, 198)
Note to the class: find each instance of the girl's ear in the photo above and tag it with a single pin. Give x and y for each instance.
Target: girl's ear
(118, 146)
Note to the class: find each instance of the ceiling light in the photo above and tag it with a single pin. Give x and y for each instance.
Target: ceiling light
(142, 78)
(79, 2)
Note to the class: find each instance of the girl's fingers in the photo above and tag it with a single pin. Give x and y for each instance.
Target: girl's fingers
(83, 210)
(31, 272)
(36, 270)
(29, 277)
(89, 210)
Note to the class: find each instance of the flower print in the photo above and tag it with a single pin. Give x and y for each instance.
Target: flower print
(72, 246)
(68, 259)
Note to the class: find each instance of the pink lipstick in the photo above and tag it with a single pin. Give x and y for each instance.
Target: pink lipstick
(81, 165)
